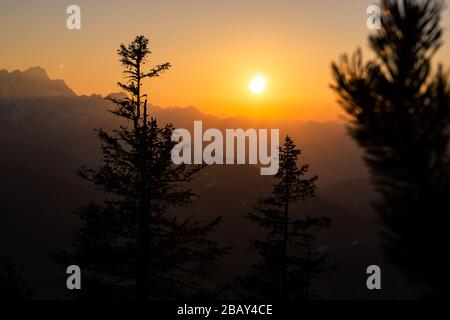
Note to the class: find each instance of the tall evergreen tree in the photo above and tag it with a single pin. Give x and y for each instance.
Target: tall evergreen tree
(290, 261)
(131, 245)
(400, 115)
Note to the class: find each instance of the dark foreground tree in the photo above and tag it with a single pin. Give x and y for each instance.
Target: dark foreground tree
(290, 261)
(131, 246)
(12, 286)
(400, 114)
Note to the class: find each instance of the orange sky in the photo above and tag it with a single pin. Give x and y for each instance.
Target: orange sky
(215, 48)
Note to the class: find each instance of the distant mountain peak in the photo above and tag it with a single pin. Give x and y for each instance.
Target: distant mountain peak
(117, 95)
(36, 73)
(33, 82)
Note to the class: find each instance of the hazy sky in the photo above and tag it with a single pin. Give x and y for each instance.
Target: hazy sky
(215, 48)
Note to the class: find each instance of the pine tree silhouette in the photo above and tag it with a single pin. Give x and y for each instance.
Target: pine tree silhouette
(290, 260)
(400, 114)
(131, 245)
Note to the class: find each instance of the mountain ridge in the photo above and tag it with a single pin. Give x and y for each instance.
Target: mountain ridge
(73, 116)
(32, 82)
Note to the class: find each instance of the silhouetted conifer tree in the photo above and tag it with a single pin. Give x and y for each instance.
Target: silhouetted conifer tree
(400, 114)
(130, 245)
(290, 261)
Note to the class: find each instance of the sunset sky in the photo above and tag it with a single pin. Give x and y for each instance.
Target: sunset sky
(215, 47)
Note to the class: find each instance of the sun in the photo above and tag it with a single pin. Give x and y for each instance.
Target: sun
(257, 84)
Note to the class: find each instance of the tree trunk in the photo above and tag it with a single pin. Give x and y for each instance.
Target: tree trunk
(285, 245)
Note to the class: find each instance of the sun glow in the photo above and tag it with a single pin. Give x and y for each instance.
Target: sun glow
(257, 84)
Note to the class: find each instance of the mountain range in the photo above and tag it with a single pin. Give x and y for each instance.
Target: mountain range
(33, 82)
(47, 131)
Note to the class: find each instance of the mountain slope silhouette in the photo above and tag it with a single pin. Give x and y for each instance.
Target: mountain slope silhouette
(33, 82)
(46, 136)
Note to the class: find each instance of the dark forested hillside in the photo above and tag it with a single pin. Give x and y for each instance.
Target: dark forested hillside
(45, 138)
